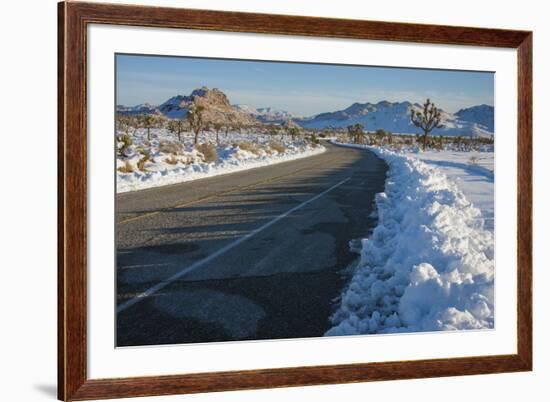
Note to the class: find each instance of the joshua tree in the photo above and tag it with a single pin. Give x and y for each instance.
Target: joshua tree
(356, 132)
(196, 120)
(217, 126)
(427, 120)
(313, 138)
(383, 134)
(440, 143)
(227, 123)
(123, 123)
(380, 132)
(148, 121)
(226, 128)
(177, 127)
(292, 129)
(237, 126)
(351, 132)
(293, 132)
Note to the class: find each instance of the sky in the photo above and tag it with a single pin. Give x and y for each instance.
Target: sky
(302, 89)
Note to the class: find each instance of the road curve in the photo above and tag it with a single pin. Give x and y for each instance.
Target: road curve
(249, 255)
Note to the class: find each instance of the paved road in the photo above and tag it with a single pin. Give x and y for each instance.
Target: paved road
(249, 255)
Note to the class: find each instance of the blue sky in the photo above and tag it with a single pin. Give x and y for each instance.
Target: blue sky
(304, 89)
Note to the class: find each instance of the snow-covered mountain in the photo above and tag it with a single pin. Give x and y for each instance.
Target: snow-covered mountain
(176, 106)
(144, 108)
(267, 114)
(483, 115)
(390, 116)
(395, 117)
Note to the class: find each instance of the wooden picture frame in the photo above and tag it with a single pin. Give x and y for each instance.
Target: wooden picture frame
(73, 381)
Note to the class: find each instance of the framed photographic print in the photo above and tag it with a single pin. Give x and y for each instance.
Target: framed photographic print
(252, 201)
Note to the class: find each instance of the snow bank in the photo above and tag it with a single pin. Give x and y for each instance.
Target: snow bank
(231, 159)
(429, 263)
(473, 173)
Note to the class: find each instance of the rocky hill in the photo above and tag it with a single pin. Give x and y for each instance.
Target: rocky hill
(216, 105)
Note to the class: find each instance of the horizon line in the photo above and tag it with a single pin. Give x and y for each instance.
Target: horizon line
(152, 104)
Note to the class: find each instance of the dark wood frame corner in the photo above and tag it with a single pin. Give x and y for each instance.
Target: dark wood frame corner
(73, 383)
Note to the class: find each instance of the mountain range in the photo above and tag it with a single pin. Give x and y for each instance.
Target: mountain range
(391, 116)
(395, 117)
(267, 114)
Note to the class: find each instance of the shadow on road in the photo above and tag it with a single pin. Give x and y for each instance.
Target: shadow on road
(282, 283)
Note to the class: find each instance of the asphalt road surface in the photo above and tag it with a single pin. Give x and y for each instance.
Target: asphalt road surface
(257, 254)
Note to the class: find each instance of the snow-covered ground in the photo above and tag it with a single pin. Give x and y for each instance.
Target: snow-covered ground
(171, 162)
(472, 172)
(429, 263)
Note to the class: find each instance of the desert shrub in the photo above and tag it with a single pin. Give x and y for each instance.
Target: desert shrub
(208, 151)
(396, 146)
(171, 160)
(187, 160)
(146, 157)
(438, 143)
(249, 146)
(126, 168)
(314, 140)
(169, 147)
(146, 153)
(277, 146)
(141, 165)
(124, 142)
(474, 160)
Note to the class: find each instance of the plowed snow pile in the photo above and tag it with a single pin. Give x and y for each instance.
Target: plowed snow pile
(429, 263)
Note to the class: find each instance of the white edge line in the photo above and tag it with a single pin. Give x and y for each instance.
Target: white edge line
(152, 290)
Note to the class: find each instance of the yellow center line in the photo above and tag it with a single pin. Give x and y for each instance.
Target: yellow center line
(220, 193)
